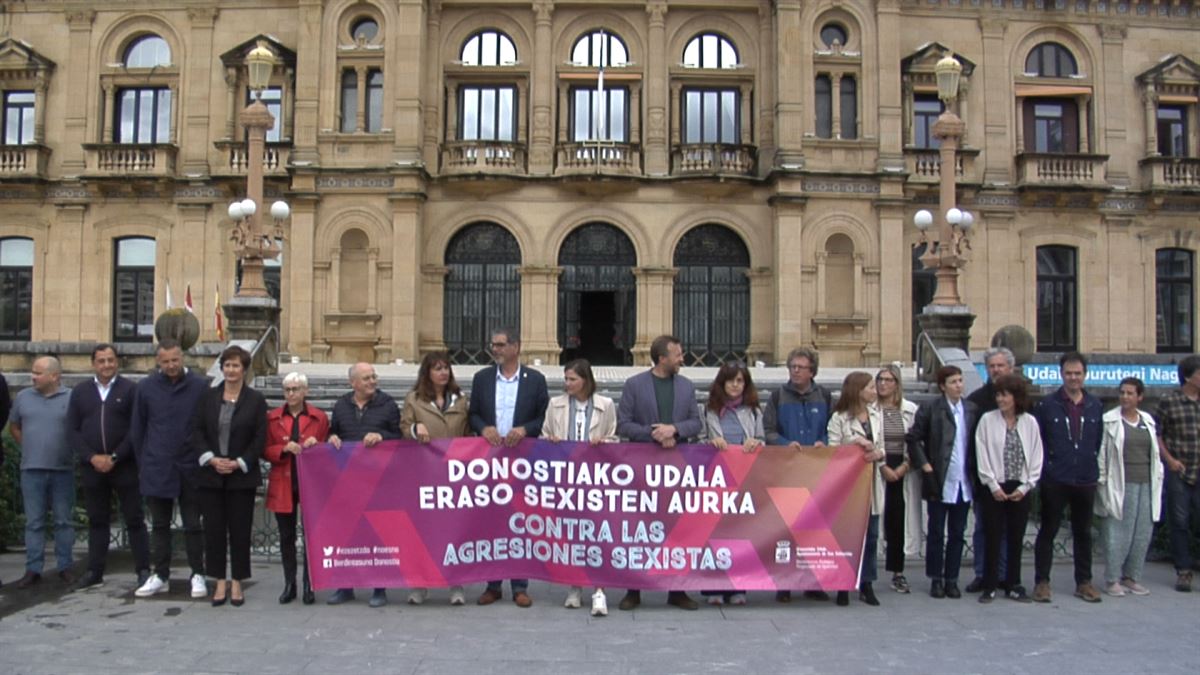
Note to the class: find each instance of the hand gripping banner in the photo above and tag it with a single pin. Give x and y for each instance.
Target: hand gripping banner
(622, 515)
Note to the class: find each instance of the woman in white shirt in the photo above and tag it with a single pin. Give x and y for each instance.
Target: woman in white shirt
(1008, 450)
(581, 414)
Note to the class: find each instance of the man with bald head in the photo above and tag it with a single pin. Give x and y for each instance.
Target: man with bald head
(366, 415)
(38, 423)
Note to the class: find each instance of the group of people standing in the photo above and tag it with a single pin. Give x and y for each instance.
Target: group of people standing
(173, 440)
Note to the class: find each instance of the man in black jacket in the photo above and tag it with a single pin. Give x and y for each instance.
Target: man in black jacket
(367, 415)
(98, 420)
(939, 442)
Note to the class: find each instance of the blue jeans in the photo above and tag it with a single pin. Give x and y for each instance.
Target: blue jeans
(870, 560)
(1183, 504)
(1126, 540)
(43, 489)
(944, 541)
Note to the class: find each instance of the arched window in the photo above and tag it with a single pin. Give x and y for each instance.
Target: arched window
(599, 48)
(482, 291)
(353, 273)
(710, 50)
(133, 289)
(839, 275)
(712, 295)
(833, 33)
(16, 288)
(147, 52)
(1175, 291)
(489, 48)
(364, 30)
(1057, 299)
(1050, 59)
(596, 295)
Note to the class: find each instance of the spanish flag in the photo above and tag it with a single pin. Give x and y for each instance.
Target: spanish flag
(219, 315)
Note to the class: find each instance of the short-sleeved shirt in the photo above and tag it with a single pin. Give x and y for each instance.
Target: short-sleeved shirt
(1178, 420)
(43, 422)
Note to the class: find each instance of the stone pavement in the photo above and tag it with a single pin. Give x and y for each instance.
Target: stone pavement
(106, 630)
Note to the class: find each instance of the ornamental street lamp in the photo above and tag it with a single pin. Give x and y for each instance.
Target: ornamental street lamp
(252, 243)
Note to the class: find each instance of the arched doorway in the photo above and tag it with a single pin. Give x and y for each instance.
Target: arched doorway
(712, 295)
(482, 290)
(597, 308)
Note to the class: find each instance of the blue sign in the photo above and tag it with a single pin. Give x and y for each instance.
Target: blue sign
(1099, 375)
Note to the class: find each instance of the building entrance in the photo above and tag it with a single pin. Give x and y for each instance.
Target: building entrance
(596, 296)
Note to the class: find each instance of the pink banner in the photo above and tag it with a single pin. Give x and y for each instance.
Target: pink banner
(624, 515)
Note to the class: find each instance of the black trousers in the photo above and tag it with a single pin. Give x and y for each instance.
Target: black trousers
(1003, 526)
(893, 518)
(98, 489)
(1055, 498)
(162, 514)
(287, 544)
(228, 519)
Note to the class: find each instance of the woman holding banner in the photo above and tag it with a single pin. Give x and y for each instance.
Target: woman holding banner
(857, 420)
(291, 428)
(435, 408)
(581, 414)
(896, 415)
(732, 417)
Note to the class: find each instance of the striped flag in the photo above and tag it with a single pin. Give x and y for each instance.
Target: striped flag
(219, 315)
(169, 300)
(187, 300)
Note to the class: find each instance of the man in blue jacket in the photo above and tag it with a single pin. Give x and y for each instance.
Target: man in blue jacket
(98, 419)
(1070, 421)
(162, 418)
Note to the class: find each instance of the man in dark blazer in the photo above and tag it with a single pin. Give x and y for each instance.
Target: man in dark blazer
(98, 419)
(659, 406)
(941, 443)
(508, 403)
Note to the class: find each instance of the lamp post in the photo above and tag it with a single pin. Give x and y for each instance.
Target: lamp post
(252, 243)
(947, 320)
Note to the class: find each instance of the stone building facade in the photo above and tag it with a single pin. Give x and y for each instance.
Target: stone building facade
(742, 173)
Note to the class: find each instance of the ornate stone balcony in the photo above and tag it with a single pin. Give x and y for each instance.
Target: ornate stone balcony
(500, 157)
(712, 158)
(1036, 169)
(236, 160)
(1171, 173)
(924, 165)
(620, 159)
(23, 161)
(130, 159)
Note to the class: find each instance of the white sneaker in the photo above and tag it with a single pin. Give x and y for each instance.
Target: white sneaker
(154, 584)
(737, 599)
(1134, 587)
(1115, 589)
(574, 598)
(199, 586)
(716, 600)
(599, 604)
(417, 596)
(457, 597)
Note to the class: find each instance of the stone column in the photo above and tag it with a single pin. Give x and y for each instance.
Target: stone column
(308, 81)
(298, 270)
(656, 154)
(997, 86)
(1150, 116)
(762, 312)
(539, 313)
(764, 87)
(1085, 104)
(792, 78)
(109, 113)
(39, 108)
(1112, 128)
(80, 83)
(542, 84)
(891, 100)
(406, 315)
(655, 308)
(835, 94)
(892, 308)
(360, 116)
(791, 315)
(408, 62)
(433, 93)
(231, 103)
(64, 263)
(430, 332)
(193, 113)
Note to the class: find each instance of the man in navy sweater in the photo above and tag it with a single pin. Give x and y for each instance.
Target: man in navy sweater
(162, 417)
(1070, 421)
(98, 418)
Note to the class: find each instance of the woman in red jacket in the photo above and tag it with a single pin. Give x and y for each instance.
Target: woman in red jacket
(291, 428)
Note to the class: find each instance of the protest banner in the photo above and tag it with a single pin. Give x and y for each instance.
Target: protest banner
(622, 515)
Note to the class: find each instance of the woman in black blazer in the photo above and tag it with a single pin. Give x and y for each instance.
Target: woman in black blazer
(229, 431)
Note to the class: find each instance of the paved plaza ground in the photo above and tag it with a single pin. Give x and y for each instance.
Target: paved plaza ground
(106, 630)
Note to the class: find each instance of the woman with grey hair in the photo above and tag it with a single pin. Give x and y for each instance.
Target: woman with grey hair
(291, 428)
(896, 415)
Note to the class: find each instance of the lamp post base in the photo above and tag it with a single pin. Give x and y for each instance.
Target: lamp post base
(249, 319)
(948, 325)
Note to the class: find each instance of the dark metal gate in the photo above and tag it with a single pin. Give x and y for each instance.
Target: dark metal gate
(482, 291)
(712, 296)
(597, 261)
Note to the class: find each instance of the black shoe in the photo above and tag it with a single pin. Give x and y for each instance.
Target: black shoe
(631, 601)
(987, 596)
(975, 586)
(89, 579)
(843, 598)
(29, 579)
(1017, 593)
(936, 589)
(288, 594)
(817, 595)
(307, 596)
(783, 596)
(952, 591)
(340, 596)
(867, 594)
